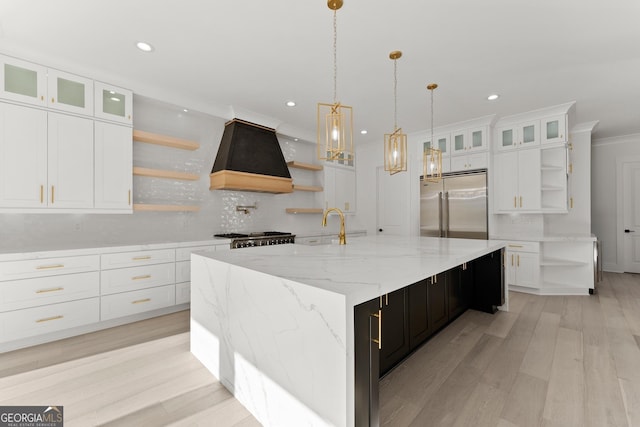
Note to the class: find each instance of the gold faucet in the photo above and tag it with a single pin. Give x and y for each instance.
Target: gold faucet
(342, 236)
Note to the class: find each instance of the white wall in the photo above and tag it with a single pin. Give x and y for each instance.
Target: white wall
(25, 232)
(606, 153)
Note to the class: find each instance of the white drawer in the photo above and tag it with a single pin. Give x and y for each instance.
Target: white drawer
(130, 259)
(521, 246)
(132, 278)
(183, 271)
(26, 269)
(183, 293)
(43, 320)
(184, 254)
(25, 293)
(127, 303)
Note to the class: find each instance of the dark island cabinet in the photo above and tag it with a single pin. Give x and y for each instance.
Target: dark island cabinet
(395, 329)
(419, 325)
(367, 338)
(488, 277)
(438, 301)
(460, 284)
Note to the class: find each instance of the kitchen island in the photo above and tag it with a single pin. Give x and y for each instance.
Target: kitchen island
(276, 324)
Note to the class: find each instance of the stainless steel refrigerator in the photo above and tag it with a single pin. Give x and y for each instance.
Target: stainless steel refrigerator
(456, 206)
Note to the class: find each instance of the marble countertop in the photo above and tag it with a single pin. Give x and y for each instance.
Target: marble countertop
(564, 238)
(365, 267)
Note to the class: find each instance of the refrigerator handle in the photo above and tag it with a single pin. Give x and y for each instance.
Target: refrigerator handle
(440, 214)
(446, 207)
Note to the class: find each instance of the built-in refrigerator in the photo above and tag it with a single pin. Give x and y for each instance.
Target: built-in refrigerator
(455, 206)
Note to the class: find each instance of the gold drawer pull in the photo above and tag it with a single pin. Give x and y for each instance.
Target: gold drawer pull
(140, 258)
(146, 276)
(42, 291)
(46, 267)
(46, 319)
(514, 246)
(140, 301)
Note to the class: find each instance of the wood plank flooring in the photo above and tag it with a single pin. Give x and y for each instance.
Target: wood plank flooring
(550, 361)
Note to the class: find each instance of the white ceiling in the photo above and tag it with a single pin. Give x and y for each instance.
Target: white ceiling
(225, 57)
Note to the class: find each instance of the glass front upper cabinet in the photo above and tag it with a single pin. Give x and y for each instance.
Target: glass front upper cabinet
(554, 129)
(519, 136)
(68, 92)
(113, 103)
(442, 144)
(23, 81)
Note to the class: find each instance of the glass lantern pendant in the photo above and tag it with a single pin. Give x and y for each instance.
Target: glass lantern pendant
(335, 121)
(432, 157)
(395, 143)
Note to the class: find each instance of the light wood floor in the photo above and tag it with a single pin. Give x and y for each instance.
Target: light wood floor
(550, 361)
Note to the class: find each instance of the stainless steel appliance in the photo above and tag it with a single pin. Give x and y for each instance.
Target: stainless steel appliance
(456, 206)
(264, 238)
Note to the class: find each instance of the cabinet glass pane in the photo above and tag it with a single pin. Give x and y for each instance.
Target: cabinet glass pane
(442, 144)
(20, 80)
(552, 129)
(507, 138)
(70, 92)
(458, 141)
(113, 103)
(427, 145)
(476, 139)
(528, 134)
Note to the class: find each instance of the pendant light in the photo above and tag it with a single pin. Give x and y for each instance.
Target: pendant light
(432, 157)
(335, 121)
(395, 144)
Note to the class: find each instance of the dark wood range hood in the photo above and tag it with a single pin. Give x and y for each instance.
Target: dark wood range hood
(250, 159)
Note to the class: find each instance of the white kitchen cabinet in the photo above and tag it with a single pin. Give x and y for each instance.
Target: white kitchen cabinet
(135, 278)
(517, 181)
(134, 302)
(523, 264)
(554, 129)
(470, 161)
(567, 266)
(70, 161)
(339, 188)
(113, 166)
(442, 143)
(113, 103)
(468, 140)
(520, 135)
(554, 182)
(70, 93)
(23, 81)
(23, 157)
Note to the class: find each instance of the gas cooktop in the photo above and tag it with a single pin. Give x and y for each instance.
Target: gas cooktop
(258, 234)
(263, 238)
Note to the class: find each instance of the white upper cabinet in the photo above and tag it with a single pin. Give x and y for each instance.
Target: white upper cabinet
(554, 129)
(517, 181)
(443, 143)
(520, 135)
(68, 92)
(113, 103)
(23, 157)
(113, 166)
(468, 140)
(23, 81)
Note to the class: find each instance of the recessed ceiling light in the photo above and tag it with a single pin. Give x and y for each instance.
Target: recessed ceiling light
(493, 97)
(145, 47)
(291, 103)
(363, 131)
(295, 139)
(185, 110)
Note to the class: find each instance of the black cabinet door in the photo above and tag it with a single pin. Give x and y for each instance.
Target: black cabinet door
(395, 330)
(488, 274)
(460, 288)
(419, 326)
(437, 298)
(467, 281)
(367, 362)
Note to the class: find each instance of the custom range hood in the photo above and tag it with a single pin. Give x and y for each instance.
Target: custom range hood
(250, 159)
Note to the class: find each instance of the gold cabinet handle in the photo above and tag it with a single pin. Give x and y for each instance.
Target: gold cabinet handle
(511, 260)
(140, 258)
(47, 319)
(41, 193)
(53, 191)
(514, 246)
(515, 198)
(46, 267)
(571, 202)
(520, 201)
(129, 199)
(146, 276)
(518, 263)
(379, 340)
(570, 167)
(43, 291)
(53, 100)
(141, 301)
(41, 97)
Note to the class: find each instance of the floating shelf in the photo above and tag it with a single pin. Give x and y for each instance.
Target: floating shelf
(304, 210)
(552, 188)
(159, 173)
(167, 141)
(552, 168)
(555, 262)
(306, 188)
(164, 208)
(305, 166)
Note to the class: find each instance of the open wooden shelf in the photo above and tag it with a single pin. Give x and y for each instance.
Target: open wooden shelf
(167, 141)
(164, 208)
(306, 188)
(305, 166)
(304, 210)
(160, 173)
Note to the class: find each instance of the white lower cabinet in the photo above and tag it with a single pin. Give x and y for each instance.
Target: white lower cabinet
(134, 302)
(183, 293)
(567, 267)
(134, 278)
(523, 264)
(43, 320)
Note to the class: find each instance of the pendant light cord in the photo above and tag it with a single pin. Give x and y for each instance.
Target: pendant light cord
(335, 58)
(395, 95)
(433, 144)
